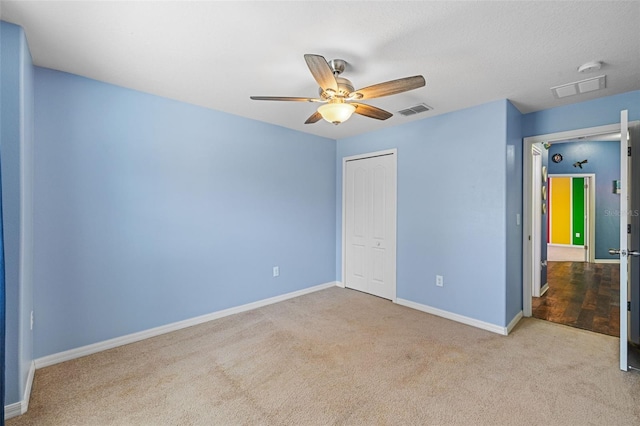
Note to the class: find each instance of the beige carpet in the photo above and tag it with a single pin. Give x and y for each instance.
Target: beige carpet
(343, 357)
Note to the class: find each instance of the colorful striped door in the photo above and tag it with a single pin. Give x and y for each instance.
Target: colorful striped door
(566, 210)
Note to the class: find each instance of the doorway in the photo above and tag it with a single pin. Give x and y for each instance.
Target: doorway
(369, 223)
(624, 249)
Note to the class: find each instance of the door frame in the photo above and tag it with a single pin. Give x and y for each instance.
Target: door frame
(527, 208)
(536, 201)
(394, 153)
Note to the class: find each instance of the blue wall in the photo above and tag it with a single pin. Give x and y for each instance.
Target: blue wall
(151, 211)
(597, 112)
(17, 186)
(604, 161)
(451, 208)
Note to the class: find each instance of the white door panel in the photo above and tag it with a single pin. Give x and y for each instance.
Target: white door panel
(358, 192)
(370, 225)
(378, 209)
(624, 239)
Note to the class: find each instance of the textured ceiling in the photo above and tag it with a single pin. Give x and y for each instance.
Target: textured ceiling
(217, 54)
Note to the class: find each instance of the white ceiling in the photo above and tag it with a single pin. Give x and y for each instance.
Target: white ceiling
(216, 54)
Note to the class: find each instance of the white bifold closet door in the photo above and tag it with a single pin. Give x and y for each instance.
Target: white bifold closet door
(370, 227)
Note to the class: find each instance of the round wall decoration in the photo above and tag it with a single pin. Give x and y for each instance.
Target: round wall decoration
(556, 158)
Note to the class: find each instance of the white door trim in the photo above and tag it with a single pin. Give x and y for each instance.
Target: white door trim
(536, 204)
(393, 152)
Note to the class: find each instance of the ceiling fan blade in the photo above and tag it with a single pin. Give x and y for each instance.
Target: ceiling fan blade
(321, 72)
(371, 111)
(284, 98)
(315, 117)
(389, 88)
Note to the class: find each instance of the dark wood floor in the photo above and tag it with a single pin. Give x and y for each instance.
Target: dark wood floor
(583, 295)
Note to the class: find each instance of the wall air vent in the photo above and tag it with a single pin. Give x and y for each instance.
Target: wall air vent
(415, 110)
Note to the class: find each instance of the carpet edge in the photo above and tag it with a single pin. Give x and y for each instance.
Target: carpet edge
(70, 354)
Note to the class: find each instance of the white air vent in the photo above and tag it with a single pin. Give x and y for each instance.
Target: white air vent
(415, 110)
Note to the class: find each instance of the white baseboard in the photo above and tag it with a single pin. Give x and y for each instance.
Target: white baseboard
(454, 317)
(141, 335)
(27, 389)
(606, 260)
(340, 284)
(514, 321)
(13, 410)
(18, 408)
(544, 289)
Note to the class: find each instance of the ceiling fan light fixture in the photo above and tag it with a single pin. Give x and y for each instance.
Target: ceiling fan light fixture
(336, 113)
(338, 91)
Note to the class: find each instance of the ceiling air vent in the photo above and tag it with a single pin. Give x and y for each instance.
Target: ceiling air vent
(579, 87)
(415, 110)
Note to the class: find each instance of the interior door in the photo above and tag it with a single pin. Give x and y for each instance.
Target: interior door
(370, 225)
(634, 243)
(624, 239)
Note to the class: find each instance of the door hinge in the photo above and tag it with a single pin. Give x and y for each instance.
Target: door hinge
(629, 151)
(628, 228)
(629, 306)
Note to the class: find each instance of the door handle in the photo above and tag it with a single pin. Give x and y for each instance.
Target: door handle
(624, 252)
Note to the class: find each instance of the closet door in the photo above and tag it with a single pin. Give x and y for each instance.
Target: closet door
(370, 214)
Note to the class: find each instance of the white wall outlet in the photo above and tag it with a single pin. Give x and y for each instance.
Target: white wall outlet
(31, 320)
(276, 271)
(439, 280)
(577, 235)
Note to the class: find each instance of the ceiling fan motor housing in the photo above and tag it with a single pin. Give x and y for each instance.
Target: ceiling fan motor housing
(344, 88)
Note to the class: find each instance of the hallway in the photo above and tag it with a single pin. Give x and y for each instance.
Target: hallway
(582, 295)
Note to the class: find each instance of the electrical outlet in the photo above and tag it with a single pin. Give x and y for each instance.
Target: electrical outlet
(276, 271)
(439, 280)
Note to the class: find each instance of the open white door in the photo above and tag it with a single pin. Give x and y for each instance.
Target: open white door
(634, 259)
(624, 238)
(629, 247)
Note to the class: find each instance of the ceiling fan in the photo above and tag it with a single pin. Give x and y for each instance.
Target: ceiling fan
(338, 95)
